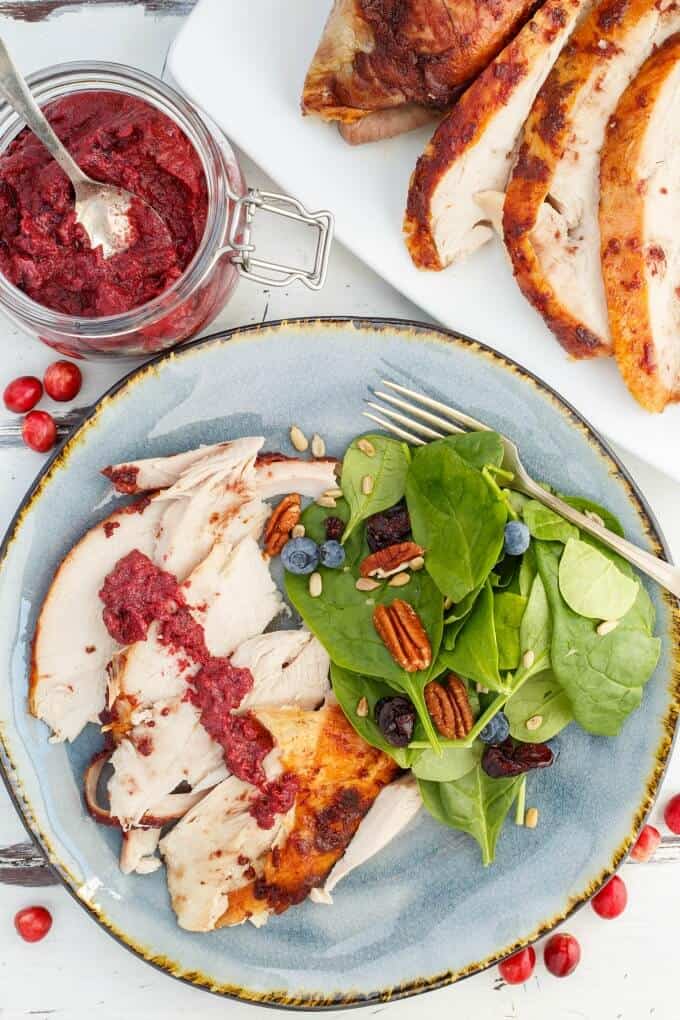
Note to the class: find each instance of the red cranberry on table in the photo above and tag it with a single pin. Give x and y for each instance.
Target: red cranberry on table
(33, 923)
(647, 842)
(63, 380)
(39, 431)
(562, 954)
(22, 394)
(672, 814)
(611, 900)
(519, 967)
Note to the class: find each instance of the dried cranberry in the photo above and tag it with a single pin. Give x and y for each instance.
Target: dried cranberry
(388, 527)
(334, 528)
(501, 761)
(396, 718)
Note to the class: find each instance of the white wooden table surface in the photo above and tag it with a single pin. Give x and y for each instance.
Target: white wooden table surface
(629, 966)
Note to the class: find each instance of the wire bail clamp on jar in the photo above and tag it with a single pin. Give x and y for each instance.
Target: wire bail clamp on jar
(276, 274)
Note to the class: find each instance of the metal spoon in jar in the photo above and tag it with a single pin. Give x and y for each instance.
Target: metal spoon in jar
(101, 209)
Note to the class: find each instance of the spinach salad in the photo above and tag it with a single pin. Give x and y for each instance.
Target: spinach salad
(503, 626)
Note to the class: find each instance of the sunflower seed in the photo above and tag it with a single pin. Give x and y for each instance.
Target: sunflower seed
(399, 580)
(298, 438)
(367, 447)
(531, 818)
(534, 723)
(417, 563)
(366, 584)
(298, 531)
(318, 446)
(529, 658)
(362, 708)
(334, 493)
(367, 485)
(326, 501)
(607, 626)
(315, 584)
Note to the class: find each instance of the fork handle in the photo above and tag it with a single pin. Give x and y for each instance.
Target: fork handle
(663, 573)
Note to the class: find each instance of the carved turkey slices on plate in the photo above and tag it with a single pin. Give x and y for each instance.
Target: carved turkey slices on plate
(550, 219)
(639, 219)
(384, 68)
(472, 150)
(209, 493)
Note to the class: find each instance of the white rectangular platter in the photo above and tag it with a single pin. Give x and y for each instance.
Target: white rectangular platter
(244, 64)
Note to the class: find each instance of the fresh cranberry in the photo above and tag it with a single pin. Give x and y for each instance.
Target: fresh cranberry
(562, 954)
(611, 899)
(33, 923)
(63, 380)
(672, 814)
(39, 431)
(22, 394)
(647, 842)
(518, 968)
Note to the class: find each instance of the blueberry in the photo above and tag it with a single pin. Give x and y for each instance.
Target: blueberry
(496, 730)
(300, 556)
(331, 554)
(517, 538)
(396, 719)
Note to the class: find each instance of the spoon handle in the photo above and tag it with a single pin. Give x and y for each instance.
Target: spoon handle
(17, 93)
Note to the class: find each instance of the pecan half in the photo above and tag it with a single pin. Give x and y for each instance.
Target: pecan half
(403, 635)
(449, 705)
(282, 521)
(391, 560)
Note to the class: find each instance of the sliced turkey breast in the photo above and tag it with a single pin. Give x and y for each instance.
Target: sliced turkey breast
(639, 219)
(338, 784)
(394, 807)
(378, 56)
(551, 208)
(71, 645)
(138, 852)
(213, 498)
(473, 148)
(289, 667)
(217, 847)
(275, 473)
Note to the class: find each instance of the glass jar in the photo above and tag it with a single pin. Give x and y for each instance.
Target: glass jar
(224, 253)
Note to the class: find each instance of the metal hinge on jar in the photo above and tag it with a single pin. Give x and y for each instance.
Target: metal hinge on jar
(277, 274)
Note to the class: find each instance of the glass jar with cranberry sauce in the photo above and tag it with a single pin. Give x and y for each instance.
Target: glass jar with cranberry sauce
(180, 291)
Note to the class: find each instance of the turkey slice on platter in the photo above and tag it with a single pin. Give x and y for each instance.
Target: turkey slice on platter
(550, 223)
(473, 148)
(375, 58)
(639, 223)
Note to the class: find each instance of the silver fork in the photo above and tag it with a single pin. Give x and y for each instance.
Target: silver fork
(420, 425)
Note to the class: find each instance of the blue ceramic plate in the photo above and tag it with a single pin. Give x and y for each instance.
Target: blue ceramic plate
(424, 912)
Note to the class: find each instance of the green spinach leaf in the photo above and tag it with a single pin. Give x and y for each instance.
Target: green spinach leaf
(542, 696)
(388, 468)
(349, 689)
(456, 517)
(475, 653)
(527, 571)
(535, 633)
(478, 448)
(603, 675)
(610, 521)
(475, 804)
(508, 611)
(546, 525)
(592, 585)
(451, 764)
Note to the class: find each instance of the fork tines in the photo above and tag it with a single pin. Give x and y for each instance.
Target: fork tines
(448, 421)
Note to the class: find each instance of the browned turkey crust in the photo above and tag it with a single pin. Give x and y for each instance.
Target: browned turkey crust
(471, 151)
(551, 207)
(639, 190)
(378, 54)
